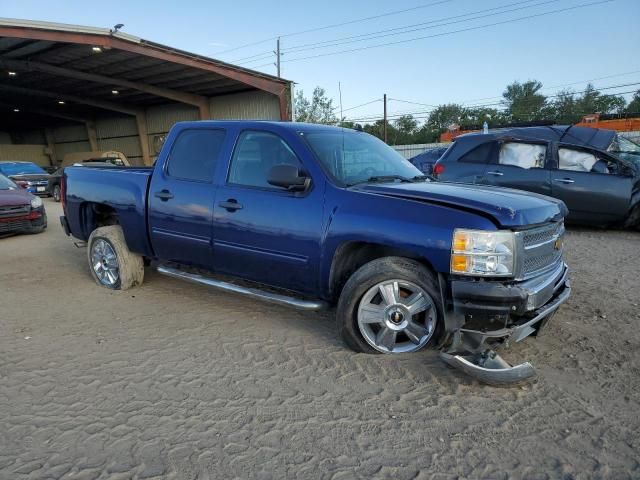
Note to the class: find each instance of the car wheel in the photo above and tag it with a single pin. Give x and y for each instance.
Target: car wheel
(390, 305)
(56, 193)
(111, 263)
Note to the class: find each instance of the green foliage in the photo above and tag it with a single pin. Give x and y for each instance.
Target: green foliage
(634, 104)
(523, 102)
(319, 109)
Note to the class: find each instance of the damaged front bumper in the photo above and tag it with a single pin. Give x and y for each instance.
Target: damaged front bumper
(485, 315)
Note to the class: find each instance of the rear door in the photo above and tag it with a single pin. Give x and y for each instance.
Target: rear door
(521, 165)
(595, 187)
(262, 232)
(181, 198)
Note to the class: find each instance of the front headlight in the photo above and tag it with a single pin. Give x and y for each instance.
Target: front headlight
(483, 253)
(36, 202)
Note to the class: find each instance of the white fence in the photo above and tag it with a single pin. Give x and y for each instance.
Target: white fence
(409, 151)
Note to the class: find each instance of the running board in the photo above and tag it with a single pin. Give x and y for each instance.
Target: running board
(309, 305)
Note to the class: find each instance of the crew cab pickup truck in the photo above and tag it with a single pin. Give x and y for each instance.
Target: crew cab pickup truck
(314, 216)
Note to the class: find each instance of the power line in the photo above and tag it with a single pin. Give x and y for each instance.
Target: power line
(442, 34)
(335, 25)
(424, 113)
(414, 103)
(409, 29)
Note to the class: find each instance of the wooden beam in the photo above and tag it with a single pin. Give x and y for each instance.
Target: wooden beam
(183, 97)
(105, 105)
(141, 122)
(242, 75)
(51, 145)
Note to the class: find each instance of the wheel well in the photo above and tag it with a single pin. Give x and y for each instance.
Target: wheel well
(95, 215)
(350, 256)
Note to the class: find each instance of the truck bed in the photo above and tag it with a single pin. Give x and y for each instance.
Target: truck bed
(123, 189)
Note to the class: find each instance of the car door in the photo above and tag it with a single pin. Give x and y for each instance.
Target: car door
(262, 232)
(181, 198)
(467, 167)
(521, 165)
(595, 186)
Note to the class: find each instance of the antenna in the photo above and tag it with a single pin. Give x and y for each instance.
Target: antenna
(340, 92)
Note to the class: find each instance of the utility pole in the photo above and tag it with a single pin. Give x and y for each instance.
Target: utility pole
(278, 55)
(385, 118)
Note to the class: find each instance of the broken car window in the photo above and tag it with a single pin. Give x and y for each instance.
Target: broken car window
(523, 155)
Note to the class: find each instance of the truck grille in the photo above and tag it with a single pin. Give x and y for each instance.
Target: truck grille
(14, 211)
(541, 249)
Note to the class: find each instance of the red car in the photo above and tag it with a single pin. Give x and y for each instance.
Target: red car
(20, 211)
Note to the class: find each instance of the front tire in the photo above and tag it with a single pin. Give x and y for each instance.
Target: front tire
(390, 305)
(111, 263)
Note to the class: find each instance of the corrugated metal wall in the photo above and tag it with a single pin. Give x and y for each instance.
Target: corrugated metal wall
(255, 105)
(31, 153)
(120, 132)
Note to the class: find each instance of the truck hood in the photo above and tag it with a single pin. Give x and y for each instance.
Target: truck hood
(506, 207)
(11, 198)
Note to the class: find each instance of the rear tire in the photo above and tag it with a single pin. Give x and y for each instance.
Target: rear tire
(406, 319)
(56, 193)
(111, 263)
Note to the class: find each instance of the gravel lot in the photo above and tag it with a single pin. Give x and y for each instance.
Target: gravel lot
(172, 380)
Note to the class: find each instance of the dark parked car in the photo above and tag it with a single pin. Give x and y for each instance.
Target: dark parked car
(20, 211)
(568, 163)
(426, 160)
(27, 175)
(324, 215)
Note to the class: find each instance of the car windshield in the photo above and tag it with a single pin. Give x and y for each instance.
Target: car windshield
(624, 145)
(353, 157)
(21, 168)
(6, 184)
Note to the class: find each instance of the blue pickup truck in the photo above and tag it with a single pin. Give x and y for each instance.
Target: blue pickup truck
(315, 216)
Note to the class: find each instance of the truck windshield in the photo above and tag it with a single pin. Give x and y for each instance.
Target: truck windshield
(353, 157)
(21, 168)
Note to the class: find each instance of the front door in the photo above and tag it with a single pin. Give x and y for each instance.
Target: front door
(520, 165)
(266, 233)
(181, 198)
(593, 185)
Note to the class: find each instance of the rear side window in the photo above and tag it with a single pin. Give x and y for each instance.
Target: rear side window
(480, 154)
(255, 155)
(523, 155)
(194, 155)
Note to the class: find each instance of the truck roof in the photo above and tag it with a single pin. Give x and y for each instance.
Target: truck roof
(292, 126)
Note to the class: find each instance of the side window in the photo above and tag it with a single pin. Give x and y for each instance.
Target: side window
(576, 160)
(256, 153)
(523, 155)
(480, 154)
(194, 155)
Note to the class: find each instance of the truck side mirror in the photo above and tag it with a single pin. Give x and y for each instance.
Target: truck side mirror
(289, 177)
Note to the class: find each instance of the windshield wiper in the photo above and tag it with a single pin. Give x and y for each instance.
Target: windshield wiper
(383, 178)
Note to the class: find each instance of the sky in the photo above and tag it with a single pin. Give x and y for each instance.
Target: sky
(589, 40)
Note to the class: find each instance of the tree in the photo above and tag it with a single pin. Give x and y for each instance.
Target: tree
(592, 101)
(565, 109)
(523, 102)
(319, 109)
(478, 115)
(405, 130)
(445, 115)
(634, 104)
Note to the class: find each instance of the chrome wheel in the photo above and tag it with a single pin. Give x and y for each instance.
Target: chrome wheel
(396, 316)
(105, 263)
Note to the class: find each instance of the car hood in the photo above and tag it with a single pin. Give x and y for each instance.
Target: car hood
(14, 197)
(507, 207)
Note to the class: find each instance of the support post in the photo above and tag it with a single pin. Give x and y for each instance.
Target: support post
(205, 112)
(51, 145)
(385, 118)
(278, 55)
(93, 135)
(141, 122)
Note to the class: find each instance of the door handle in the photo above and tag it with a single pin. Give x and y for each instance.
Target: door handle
(564, 180)
(231, 205)
(495, 173)
(164, 195)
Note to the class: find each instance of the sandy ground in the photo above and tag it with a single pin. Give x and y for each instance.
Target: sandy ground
(172, 380)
